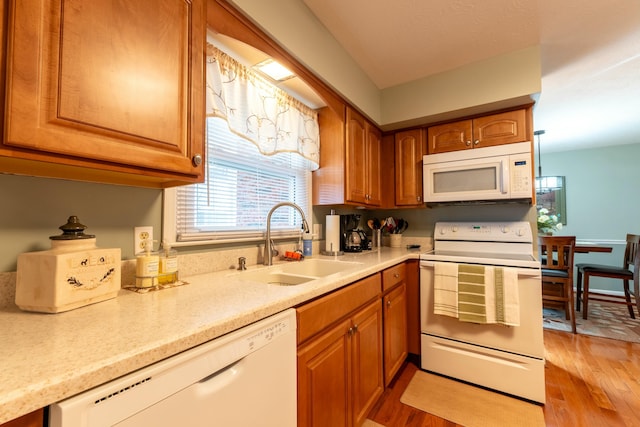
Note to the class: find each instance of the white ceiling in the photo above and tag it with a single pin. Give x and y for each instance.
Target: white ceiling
(590, 54)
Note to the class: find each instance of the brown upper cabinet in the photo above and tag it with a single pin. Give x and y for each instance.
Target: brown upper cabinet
(105, 91)
(410, 146)
(350, 160)
(485, 131)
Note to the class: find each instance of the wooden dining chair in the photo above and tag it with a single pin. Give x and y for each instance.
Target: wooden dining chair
(557, 271)
(625, 273)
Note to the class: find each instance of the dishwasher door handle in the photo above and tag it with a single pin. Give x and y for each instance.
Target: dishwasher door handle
(220, 379)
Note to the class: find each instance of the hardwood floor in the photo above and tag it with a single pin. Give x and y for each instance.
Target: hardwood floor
(590, 381)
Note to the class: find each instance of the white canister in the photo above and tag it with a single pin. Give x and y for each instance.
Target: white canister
(72, 274)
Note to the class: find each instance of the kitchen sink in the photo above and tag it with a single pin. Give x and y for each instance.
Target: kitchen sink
(275, 278)
(298, 272)
(318, 267)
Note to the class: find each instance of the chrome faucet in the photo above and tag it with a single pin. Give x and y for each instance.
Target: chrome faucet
(268, 250)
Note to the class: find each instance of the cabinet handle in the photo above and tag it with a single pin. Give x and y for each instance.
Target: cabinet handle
(419, 198)
(476, 142)
(196, 160)
(350, 332)
(388, 303)
(396, 275)
(468, 143)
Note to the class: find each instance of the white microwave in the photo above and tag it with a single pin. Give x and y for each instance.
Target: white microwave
(502, 172)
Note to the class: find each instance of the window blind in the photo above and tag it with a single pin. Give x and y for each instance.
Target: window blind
(240, 188)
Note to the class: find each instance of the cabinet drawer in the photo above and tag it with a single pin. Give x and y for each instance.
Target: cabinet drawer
(319, 314)
(393, 275)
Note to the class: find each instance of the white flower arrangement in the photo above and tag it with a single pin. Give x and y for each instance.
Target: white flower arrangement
(548, 223)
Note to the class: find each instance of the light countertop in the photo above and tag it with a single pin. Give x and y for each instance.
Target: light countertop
(49, 357)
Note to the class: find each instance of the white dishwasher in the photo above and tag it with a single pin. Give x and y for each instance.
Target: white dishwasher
(244, 378)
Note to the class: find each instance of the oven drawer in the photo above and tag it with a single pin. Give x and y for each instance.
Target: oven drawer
(510, 373)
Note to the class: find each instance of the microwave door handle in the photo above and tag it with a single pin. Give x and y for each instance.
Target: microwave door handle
(504, 181)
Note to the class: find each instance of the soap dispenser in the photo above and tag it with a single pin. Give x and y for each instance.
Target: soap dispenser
(147, 266)
(168, 271)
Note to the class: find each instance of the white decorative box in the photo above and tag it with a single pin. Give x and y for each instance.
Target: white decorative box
(72, 274)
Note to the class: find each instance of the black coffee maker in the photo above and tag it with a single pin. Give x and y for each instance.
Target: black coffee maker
(352, 239)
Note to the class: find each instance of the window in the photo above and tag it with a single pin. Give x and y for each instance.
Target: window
(261, 147)
(240, 188)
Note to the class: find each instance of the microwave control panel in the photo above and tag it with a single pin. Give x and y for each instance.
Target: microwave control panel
(520, 178)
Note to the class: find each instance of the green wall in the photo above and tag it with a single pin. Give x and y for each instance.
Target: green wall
(33, 209)
(602, 198)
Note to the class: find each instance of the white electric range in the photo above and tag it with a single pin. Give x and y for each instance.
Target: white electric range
(502, 357)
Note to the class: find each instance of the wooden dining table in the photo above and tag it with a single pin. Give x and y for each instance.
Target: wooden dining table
(585, 249)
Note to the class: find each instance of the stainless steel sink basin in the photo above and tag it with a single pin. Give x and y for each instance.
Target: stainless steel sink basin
(298, 272)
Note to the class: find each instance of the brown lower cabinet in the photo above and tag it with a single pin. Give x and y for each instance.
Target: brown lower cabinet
(340, 367)
(351, 343)
(32, 419)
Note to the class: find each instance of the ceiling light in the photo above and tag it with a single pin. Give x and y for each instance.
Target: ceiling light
(274, 70)
(545, 184)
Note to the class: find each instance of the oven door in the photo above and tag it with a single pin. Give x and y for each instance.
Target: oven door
(526, 339)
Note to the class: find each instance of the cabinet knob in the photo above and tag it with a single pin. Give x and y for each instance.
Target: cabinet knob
(476, 142)
(468, 143)
(388, 303)
(396, 275)
(196, 160)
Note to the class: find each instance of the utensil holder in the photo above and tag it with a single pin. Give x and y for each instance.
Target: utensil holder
(377, 239)
(395, 240)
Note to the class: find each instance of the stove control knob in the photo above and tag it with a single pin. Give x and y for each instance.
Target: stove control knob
(505, 230)
(454, 228)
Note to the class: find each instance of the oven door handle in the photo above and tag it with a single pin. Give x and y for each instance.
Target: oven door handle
(522, 272)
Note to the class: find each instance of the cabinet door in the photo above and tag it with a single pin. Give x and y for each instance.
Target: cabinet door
(450, 137)
(324, 387)
(409, 151)
(368, 383)
(32, 419)
(395, 331)
(356, 158)
(498, 129)
(374, 148)
(114, 85)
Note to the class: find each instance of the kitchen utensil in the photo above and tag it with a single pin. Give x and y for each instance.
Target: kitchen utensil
(399, 227)
(370, 224)
(391, 224)
(376, 224)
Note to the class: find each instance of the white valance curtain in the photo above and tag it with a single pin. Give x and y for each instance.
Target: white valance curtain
(259, 111)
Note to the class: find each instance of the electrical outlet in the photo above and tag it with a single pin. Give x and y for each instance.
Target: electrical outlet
(140, 234)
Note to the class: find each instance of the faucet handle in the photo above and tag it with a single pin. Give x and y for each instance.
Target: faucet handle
(242, 263)
(274, 251)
